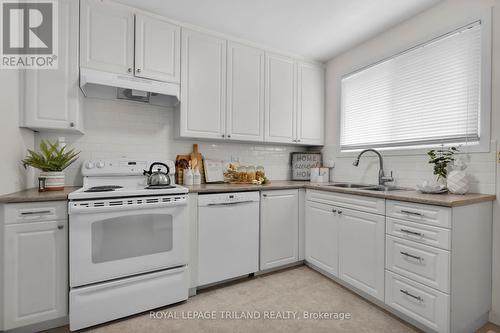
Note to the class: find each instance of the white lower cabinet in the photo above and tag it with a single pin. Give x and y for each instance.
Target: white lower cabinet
(430, 265)
(279, 228)
(423, 304)
(322, 237)
(361, 251)
(36, 272)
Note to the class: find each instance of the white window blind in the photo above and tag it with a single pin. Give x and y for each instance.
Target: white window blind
(429, 94)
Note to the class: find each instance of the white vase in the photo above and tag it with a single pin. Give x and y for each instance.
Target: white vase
(457, 180)
(54, 181)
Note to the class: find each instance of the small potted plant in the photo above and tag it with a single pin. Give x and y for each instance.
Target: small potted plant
(441, 159)
(51, 161)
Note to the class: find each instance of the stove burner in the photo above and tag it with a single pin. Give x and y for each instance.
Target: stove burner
(105, 188)
(159, 187)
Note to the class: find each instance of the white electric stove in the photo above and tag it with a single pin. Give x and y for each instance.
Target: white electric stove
(128, 243)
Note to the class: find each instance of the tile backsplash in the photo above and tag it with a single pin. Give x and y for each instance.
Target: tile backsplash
(115, 129)
(409, 170)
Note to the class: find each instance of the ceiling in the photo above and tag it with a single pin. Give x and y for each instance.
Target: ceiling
(315, 29)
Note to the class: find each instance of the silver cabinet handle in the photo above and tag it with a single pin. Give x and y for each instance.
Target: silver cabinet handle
(406, 231)
(229, 135)
(38, 212)
(407, 293)
(411, 213)
(71, 124)
(264, 195)
(138, 70)
(406, 254)
(339, 212)
(334, 210)
(129, 70)
(223, 135)
(60, 227)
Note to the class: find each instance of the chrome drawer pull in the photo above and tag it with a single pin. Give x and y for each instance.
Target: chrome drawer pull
(36, 212)
(60, 227)
(412, 232)
(409, 212)
(418, 298)
(412, 256)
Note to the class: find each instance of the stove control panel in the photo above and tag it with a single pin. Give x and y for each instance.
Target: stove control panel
(120, 167)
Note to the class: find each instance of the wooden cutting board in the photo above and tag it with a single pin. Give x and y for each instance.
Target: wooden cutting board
(197, 162)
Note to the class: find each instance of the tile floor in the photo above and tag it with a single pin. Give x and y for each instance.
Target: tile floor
(296, 290)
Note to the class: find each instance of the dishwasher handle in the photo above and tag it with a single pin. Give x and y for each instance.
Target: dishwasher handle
(230, 203)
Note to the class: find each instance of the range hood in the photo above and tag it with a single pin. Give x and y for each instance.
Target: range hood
(105, 85)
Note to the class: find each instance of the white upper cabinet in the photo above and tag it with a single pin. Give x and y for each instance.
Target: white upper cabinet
(106, 36)
(51, 97)
(245, 93)
(203, 86)
(156, 49)
(310, 104)
(279, 228)
(295, 108)
(118, 39)
(280, 110)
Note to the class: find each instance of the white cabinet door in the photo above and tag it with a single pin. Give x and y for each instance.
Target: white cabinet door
(245, 93)
(36, 273)
(203, 86)
(279, 228)
(280, 111)
(51, 97)
(157, 49)
(322, 237)
(106, 36)
(310, 104)
(362, 250)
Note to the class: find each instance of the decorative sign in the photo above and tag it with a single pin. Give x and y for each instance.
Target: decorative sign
(302, 164)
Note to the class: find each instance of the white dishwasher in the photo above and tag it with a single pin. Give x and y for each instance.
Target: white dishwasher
(228, 236)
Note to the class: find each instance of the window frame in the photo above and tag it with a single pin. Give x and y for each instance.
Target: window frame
(485, 18)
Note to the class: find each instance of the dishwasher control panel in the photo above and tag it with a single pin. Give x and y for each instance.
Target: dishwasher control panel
(227, 198)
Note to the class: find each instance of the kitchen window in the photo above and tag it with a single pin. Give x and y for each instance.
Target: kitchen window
(434, 93)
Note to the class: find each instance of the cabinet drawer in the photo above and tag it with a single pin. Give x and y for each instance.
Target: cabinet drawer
(434, 215)
(357, 202)
(423, 304)
(419, 232)
(35, 212)
(422, 263)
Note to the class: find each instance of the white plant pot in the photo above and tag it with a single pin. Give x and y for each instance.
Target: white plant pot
(458, 183)
(54, 181)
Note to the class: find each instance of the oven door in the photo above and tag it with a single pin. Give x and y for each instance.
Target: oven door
(113, 238)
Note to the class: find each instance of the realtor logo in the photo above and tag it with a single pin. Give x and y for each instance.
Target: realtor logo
(29, 34)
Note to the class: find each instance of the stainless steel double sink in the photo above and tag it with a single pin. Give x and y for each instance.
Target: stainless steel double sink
(365, 187)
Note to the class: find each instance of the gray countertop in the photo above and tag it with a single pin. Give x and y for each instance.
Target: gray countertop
(447, 200)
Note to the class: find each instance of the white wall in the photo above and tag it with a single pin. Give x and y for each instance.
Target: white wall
(115, 129)
(14, 140)
(412, 169)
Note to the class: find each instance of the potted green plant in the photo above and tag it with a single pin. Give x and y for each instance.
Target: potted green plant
(441, 158)
(51, 161)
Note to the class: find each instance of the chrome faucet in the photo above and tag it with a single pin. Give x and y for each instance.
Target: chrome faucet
(382, 178)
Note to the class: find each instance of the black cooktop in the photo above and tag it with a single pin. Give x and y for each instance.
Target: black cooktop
(105, 188)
